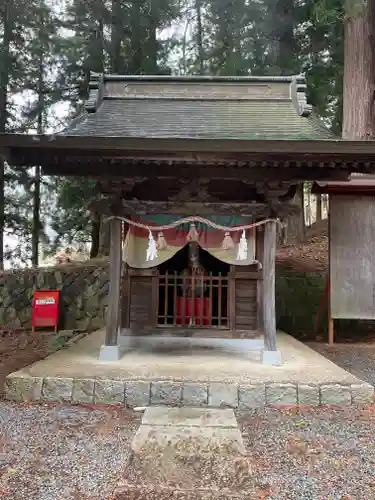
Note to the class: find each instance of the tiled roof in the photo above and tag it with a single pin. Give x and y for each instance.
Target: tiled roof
(198, 108)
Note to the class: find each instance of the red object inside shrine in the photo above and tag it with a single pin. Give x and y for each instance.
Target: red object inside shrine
(197, 309)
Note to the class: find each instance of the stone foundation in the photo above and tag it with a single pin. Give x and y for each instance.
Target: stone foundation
(132, 393)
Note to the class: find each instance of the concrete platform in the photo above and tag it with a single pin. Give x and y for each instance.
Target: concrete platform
(174, 374)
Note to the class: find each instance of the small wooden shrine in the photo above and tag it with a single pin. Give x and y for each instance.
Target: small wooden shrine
(194, 173)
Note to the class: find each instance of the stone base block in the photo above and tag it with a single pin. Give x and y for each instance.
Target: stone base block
(109, 392)
(23, 388)
(57, 389)
(272, 358)
(194, 394)
(109, 353)
(281, 394)
(362, 394)
(335, 394)
(83, 391)
(252, 396)
(137, 393)
(308, 394)
(166, 393)
(223, 395)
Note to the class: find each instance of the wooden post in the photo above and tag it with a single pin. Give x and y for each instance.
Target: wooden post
(331, 326)
(110, 350)
(259, 257)
(269, 309)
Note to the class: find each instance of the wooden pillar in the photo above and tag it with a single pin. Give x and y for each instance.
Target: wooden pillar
(259, 257)
(269, 309)
(331, 324)
(110, 351)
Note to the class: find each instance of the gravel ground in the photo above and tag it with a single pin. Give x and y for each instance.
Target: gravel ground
(62, 452)
(323, 453)
(356, 359)
(310, 454)
(71, 453)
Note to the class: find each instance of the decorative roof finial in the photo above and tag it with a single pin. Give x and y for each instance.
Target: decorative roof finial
(95, 92)
(298, 94)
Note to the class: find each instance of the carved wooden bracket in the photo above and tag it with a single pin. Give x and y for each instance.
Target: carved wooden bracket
(194, 190)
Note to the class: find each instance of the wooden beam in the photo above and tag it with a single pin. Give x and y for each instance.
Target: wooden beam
(112, 206)
(330, 148)
(269, 309)
(216, 169)
(113, 311)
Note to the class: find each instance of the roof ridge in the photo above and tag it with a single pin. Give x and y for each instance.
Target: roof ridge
(134, 97)
(199, 78)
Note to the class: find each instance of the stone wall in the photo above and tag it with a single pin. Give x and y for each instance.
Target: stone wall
(83, 287)
(298, 298)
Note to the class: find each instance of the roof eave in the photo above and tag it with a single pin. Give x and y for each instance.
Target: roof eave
(272, 146)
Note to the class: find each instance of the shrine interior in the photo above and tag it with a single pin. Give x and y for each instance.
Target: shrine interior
(180, 301)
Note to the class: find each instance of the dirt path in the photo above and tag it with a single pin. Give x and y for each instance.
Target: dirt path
(18, 349)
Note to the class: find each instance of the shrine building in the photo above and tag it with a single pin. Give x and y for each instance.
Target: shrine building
(194, 176)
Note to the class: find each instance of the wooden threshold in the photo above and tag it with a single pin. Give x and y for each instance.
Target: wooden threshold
(196, 332)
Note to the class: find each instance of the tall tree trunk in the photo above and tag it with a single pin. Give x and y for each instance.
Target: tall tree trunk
(318, 207)
(95, 236)
(96, 64)
(152, 41)
(104, 238)
(116, 59)
(35, 235)
(295, 230)
(286, 46)
(36, 219)
(136, 38)
(225, 21)
(198, 7)
(4, 80)
(295, 227)
(359, 71)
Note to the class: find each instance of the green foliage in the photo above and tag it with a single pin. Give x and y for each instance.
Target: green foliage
(70, 219)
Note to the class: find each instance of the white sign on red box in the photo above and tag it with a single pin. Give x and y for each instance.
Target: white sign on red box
(42, 302)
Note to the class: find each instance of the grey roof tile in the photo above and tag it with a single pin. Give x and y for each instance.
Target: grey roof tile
(198, 119)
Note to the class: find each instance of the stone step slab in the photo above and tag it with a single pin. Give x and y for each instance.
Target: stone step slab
(189, 448)
(189, 417)
(184, 432)
(183, 441)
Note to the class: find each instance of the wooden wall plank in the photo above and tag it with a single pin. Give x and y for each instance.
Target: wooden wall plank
(245, 302)
(352, 256)
(142, 315)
